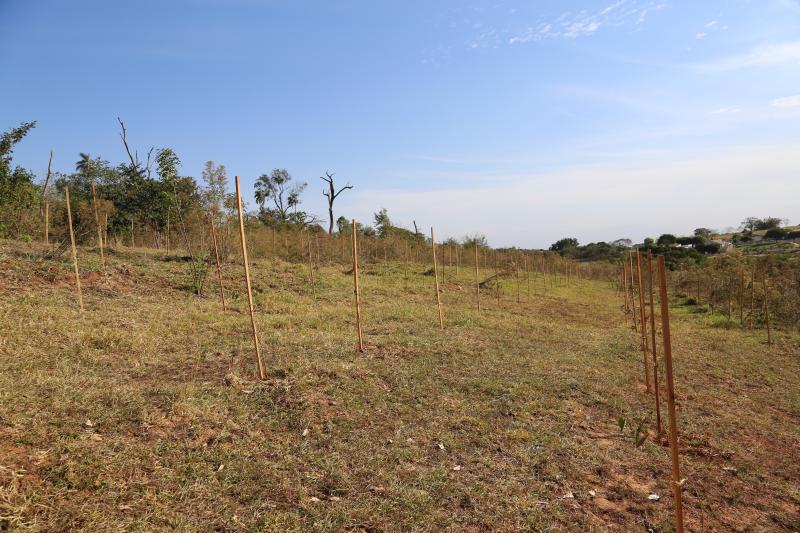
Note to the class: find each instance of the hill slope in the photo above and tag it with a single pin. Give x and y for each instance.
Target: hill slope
(145, 414)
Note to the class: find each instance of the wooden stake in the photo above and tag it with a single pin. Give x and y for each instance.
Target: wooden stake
(677, 482)
(766, 308)
(516, 273)
(356, 290)
(653, 339)
(259, 362)
(752, 296)
(99, 229)
(643, 316)
(74, 251)
(477, 281)
(436, 277)
(311, 266)
(219, 265)
(46, 222)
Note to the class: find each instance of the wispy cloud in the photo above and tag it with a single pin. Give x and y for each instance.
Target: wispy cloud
(570, 25)
(786, 101)
(761, 56)
(725, 110)
(700, 35)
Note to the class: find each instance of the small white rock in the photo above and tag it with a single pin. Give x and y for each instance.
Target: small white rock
(654, 497)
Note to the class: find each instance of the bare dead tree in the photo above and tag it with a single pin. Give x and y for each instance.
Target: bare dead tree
(136, 165)
(331, 195)
(416, 229)
(49, 173)
(46, 182)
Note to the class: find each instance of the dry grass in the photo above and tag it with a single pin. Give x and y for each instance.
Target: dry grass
(145, 415)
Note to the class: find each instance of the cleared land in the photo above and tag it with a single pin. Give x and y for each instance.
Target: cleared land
(145, 415)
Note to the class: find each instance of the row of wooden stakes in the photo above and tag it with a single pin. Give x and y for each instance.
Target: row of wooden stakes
(629, 306)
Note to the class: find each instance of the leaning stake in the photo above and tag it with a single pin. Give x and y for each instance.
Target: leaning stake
(74, 251)
(261, 373)
(356, 289)
(436, 277)
(673, 422)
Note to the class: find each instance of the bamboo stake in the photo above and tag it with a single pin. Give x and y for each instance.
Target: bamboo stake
(436, 277)
(99, 229)
(356, 288)
(219, 265)
(632, 299)
(677, 482)
(477, 282)
(653, 339)
(643, 316)
(74, 251)
(311, 266)
(259, 362)
(766, 308)
(752, 296)
(516, 273)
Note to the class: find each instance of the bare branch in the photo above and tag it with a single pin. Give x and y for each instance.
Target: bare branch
(124, 137)
(47, 179)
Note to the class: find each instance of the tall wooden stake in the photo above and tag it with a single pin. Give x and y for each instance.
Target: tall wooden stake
(74, 251)
(259, 362)
(752, 296)
(219, 265)
(766, 308)
(99, 228)
(653, 339)
(477, 281)
(642, 315)
(436, 277)
(673, 422)
(356, 288)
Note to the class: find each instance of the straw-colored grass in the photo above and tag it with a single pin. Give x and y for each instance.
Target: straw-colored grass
(146, 416)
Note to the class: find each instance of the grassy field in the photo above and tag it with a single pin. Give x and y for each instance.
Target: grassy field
(145, 415)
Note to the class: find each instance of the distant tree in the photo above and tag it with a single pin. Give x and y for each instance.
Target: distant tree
(383, 224)
(685, 241)
(17, 190)
(343, 225)
(284, 196)
(666, 239)
(622, 243)
(775, 234)
(470, 241)
(749, 224)
(648, 242)
(331, 194)
(564, 244)
(769, 223)
(215, 192)
(703, 232)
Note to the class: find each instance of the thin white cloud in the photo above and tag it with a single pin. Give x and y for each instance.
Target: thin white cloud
(725, 111)
(761, 56)
(700, 35)
(711, 24)
(786, 101)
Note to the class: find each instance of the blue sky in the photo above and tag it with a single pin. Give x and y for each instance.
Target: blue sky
(525, 121)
